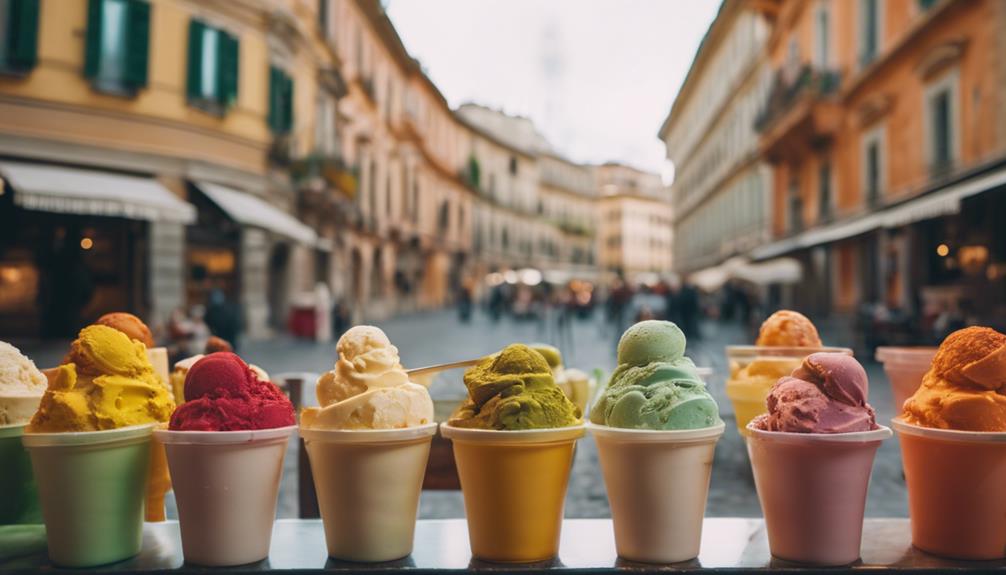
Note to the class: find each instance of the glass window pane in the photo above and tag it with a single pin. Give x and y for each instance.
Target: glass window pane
(210, 65)
(112, 64)
(4, 31)
(941, 129)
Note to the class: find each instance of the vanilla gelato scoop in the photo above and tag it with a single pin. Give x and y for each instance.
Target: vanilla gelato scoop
(368, 388)
(21, 386)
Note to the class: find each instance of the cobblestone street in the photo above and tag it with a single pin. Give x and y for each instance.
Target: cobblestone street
(439, 337)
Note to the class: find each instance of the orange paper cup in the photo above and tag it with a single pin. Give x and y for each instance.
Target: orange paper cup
(812, 488)
(514, 485)
(956, 499)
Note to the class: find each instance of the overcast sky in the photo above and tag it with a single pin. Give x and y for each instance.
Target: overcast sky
(597, 76)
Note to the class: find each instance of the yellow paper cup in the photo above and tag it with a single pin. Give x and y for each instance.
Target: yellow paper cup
(514, 485)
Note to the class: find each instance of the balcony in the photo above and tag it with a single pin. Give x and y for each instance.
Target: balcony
(800, 113)
(327, 172)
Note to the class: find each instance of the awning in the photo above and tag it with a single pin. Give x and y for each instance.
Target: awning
(50, 188)
(250, 210)
(777, 271)
(943, 202)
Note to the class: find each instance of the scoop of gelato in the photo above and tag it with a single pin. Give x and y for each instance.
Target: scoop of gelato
(368, 388)
(787, 328)
(826, 394)
(512, 390)
(655, 386)
(130, 325)
(21, 386)
(965, 388)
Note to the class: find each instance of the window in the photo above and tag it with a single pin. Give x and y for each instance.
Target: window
(323, 18)
(213, 68)
(18, 35)
(795, 205)
(325, 136)
(941, 134)
(280, 101)
(822, 37)
(870, 30)
(118, 44)
(824, 198)
(513, 165)
(873, 167)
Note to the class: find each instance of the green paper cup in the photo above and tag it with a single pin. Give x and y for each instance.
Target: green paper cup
(20, 502)
(92, 486)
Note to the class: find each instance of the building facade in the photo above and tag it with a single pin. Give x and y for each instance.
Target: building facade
(634, 222)
(721, 188)
(885, 132)
(137, 152)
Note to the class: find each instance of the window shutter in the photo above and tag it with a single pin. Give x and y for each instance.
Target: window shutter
(92, 45)
(287, 104)
(227, 48)
(137, 43)
(23, 30)
(195, 59)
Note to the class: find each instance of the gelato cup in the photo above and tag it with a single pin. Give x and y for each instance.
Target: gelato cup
(812, 488)
(226, 484)
(20, 501)
(753, 370)
(92, 486)
(368, 484)
(514, 486)
(905, 367)
(657, 484)
(956, 500)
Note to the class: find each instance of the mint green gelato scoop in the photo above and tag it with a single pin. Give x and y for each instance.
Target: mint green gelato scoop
(655, 386)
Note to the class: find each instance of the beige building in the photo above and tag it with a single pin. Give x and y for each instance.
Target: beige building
(138, 150)
(634, 222)
(721, 186)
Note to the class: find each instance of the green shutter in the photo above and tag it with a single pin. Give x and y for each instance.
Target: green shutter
(137, 43)
(287, 104)
(228, 51)
(92, 46)
(23, 29)
(195, 59)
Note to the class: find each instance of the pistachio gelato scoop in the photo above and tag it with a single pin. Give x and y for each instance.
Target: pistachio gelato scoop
(514, 390)
(655, 386)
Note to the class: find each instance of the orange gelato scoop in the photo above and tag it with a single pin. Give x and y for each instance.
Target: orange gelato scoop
(130, 325)
(787, 328)
(965, 389)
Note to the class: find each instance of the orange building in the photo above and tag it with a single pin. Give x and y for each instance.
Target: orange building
(887, 140)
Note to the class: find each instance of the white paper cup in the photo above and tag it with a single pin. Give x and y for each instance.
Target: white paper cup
(368, 484)
(657, 484)
(92, 487)
(812, 488)
(226, 485)
(905, 367)
(956, 498)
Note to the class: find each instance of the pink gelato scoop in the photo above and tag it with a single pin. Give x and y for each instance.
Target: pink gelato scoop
(827, 394)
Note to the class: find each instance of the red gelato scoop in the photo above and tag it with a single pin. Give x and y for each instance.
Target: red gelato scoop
(827, 394)
(223, 394)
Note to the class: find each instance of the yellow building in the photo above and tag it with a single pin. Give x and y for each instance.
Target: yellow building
(139, 148)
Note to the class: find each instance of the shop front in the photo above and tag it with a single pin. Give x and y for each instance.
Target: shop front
(76, 243)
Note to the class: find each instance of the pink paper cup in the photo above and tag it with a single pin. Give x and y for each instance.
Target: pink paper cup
(812, 488)
(956, 499)
(905, 367)
(226, 485)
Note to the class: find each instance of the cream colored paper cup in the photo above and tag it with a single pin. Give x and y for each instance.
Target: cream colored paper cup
(753, 371)
(956, 499)
(812, 488)
(226, 485)
(92, 487)
(514, 485)
(657, 483)
(368, 484)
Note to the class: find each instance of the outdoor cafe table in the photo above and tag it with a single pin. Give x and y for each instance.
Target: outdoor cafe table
(729, 545)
